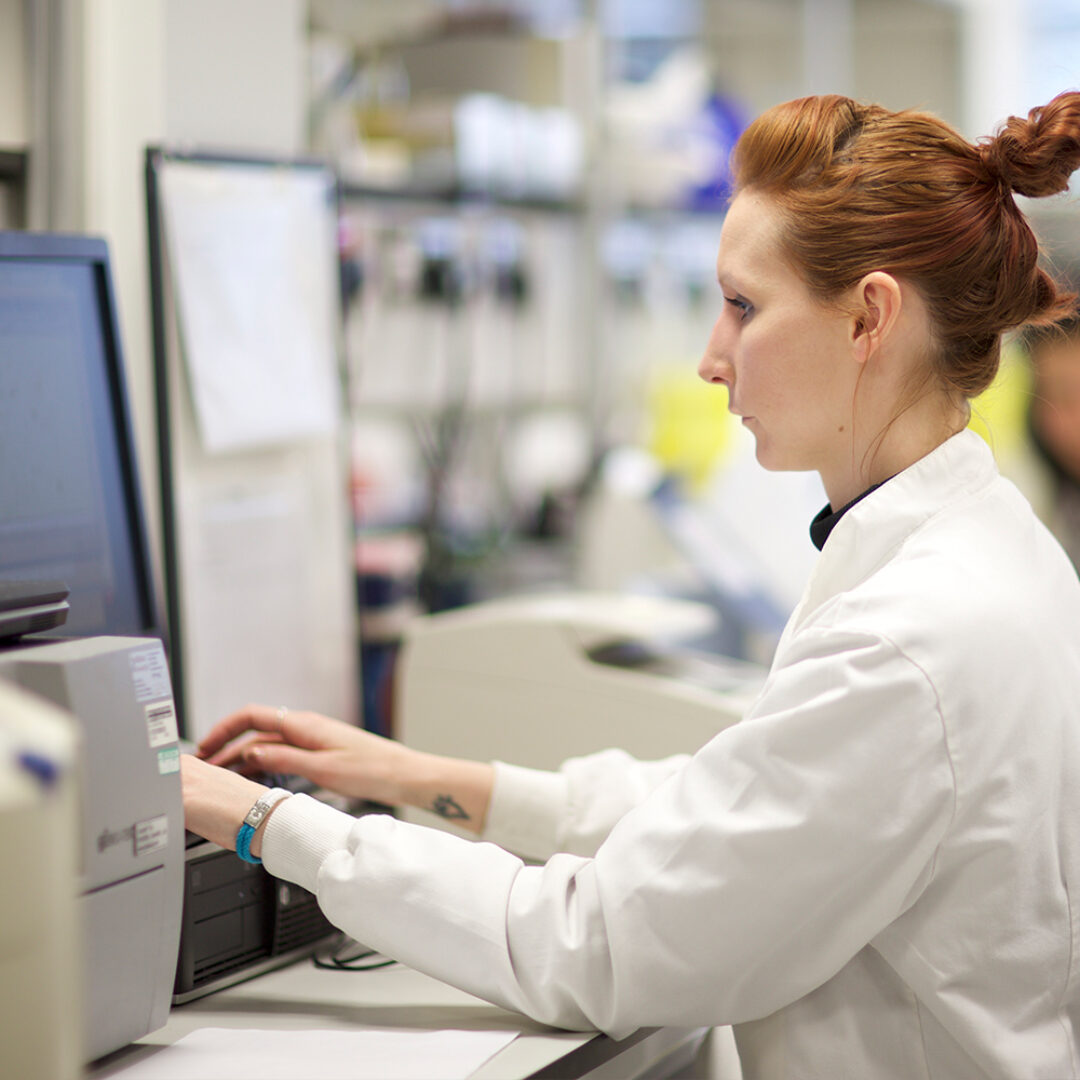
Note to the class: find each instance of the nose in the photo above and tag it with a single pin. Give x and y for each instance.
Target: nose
(714, 366)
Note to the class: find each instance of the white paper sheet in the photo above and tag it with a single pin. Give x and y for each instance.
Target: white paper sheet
(253, 253)
(364, 1054)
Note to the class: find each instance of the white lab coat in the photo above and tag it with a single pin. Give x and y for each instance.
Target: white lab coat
(875, 874)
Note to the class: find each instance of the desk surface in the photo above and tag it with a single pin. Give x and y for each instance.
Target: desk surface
(303, 996)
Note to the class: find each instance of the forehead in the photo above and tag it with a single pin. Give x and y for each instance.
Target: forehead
(750, 243)
(1057, 364)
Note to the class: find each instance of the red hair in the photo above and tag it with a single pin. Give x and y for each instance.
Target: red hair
(861, 188)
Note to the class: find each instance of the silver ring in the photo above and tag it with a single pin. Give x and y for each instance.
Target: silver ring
(282, 712)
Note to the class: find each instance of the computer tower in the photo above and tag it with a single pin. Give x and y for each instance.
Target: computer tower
(239, 921)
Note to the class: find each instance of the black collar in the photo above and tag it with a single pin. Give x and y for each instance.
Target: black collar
(827, 517)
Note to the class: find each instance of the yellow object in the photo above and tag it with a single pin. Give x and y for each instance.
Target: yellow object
(690, 428)
(999, 413)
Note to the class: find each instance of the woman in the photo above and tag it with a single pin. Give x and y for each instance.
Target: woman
(873, 874)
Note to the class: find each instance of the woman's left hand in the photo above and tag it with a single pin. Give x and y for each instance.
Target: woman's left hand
(216, 801)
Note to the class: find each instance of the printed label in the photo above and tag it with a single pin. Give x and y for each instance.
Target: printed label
(168, 760)
(161, 723)
(151, 835)
(150, 674)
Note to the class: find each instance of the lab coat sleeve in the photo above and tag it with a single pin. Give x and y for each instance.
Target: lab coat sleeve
(747, 879)
(536, 813)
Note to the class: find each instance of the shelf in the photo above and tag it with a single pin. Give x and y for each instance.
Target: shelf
(455, 196)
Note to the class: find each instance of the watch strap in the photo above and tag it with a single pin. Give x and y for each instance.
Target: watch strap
(255, 817)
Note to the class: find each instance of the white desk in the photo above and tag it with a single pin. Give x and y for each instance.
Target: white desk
(303, 996)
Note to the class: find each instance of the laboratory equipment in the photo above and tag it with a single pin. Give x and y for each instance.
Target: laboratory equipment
(131, 840)
(533, 680)
(41, 988)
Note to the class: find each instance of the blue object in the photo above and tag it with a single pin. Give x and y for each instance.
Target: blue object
(42, 767)
(243, 844)
(720, 122)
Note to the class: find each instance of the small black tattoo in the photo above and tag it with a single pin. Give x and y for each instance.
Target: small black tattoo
(446, 806)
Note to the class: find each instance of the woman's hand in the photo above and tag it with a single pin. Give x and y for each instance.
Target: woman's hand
(330, 753)
(352, 762)
(216, 801)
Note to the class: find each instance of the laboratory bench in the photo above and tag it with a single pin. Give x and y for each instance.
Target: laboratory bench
(303, 996)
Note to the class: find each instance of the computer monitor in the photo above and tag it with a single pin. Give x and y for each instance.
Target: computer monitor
(70, 505)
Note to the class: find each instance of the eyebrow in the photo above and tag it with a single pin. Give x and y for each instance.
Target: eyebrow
(726, 280)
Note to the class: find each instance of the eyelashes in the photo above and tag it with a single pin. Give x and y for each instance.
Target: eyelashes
(743, 307)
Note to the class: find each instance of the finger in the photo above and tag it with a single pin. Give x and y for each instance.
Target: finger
(280, 758)
(233, 753)
(266, 718)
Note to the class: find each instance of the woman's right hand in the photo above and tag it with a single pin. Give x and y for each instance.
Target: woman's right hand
(330, 753)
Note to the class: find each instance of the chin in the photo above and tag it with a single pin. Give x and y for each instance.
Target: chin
(772, 459)
(768, 457)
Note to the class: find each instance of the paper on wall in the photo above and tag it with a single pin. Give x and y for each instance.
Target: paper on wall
(253, 255)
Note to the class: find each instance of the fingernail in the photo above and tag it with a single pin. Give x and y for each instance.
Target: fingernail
(254, 754)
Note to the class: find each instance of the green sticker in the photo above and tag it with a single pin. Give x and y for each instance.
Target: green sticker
(168, 760)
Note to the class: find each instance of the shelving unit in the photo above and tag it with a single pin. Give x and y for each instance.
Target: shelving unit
(459, 344)
(571, 354)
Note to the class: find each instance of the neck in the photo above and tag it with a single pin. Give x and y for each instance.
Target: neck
(892, 447)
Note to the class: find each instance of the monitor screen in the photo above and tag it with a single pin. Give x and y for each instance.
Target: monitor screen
(70, 508)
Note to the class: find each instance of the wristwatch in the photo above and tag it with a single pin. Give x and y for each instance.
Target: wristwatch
(255, 817)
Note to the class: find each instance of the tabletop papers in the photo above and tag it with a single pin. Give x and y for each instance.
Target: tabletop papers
(363, 1054)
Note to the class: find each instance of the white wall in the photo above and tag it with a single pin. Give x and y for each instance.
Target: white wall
(123, 110)
(204, 73)
(14, 122)
(995, 46)
(235, 74)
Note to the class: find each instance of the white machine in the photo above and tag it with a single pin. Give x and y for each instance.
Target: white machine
(535, 680)
(131, 842)
(40, 940)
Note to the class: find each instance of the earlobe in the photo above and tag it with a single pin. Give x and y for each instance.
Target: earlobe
(878, 301)
(863, 336)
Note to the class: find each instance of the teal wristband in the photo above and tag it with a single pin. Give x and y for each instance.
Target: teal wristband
(255, 817)
(243, 844)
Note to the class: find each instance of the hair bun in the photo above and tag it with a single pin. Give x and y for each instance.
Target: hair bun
(1037, 154)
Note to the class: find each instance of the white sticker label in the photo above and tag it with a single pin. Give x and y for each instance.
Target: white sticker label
(151, 835)
(161, 723)
(150, 674)
(168, 760)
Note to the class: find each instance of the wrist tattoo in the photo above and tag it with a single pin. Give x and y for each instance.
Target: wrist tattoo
(446, 806)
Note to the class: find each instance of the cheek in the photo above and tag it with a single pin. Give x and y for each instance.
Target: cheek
(778, 359)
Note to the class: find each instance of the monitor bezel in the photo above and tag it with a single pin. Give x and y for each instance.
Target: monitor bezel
(93, 252)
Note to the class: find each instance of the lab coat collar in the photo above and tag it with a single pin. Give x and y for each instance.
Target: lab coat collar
(871, 531)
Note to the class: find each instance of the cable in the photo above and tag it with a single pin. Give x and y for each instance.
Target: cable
(342, 955)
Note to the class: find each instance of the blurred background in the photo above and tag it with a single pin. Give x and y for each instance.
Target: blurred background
(530, 197)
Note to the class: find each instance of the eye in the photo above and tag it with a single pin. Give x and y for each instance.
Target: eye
(743, 307)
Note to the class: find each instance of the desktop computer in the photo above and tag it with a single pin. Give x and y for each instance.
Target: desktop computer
(161, 919)
(239, 921)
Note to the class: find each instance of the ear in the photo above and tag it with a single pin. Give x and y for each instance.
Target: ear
(878, 300)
